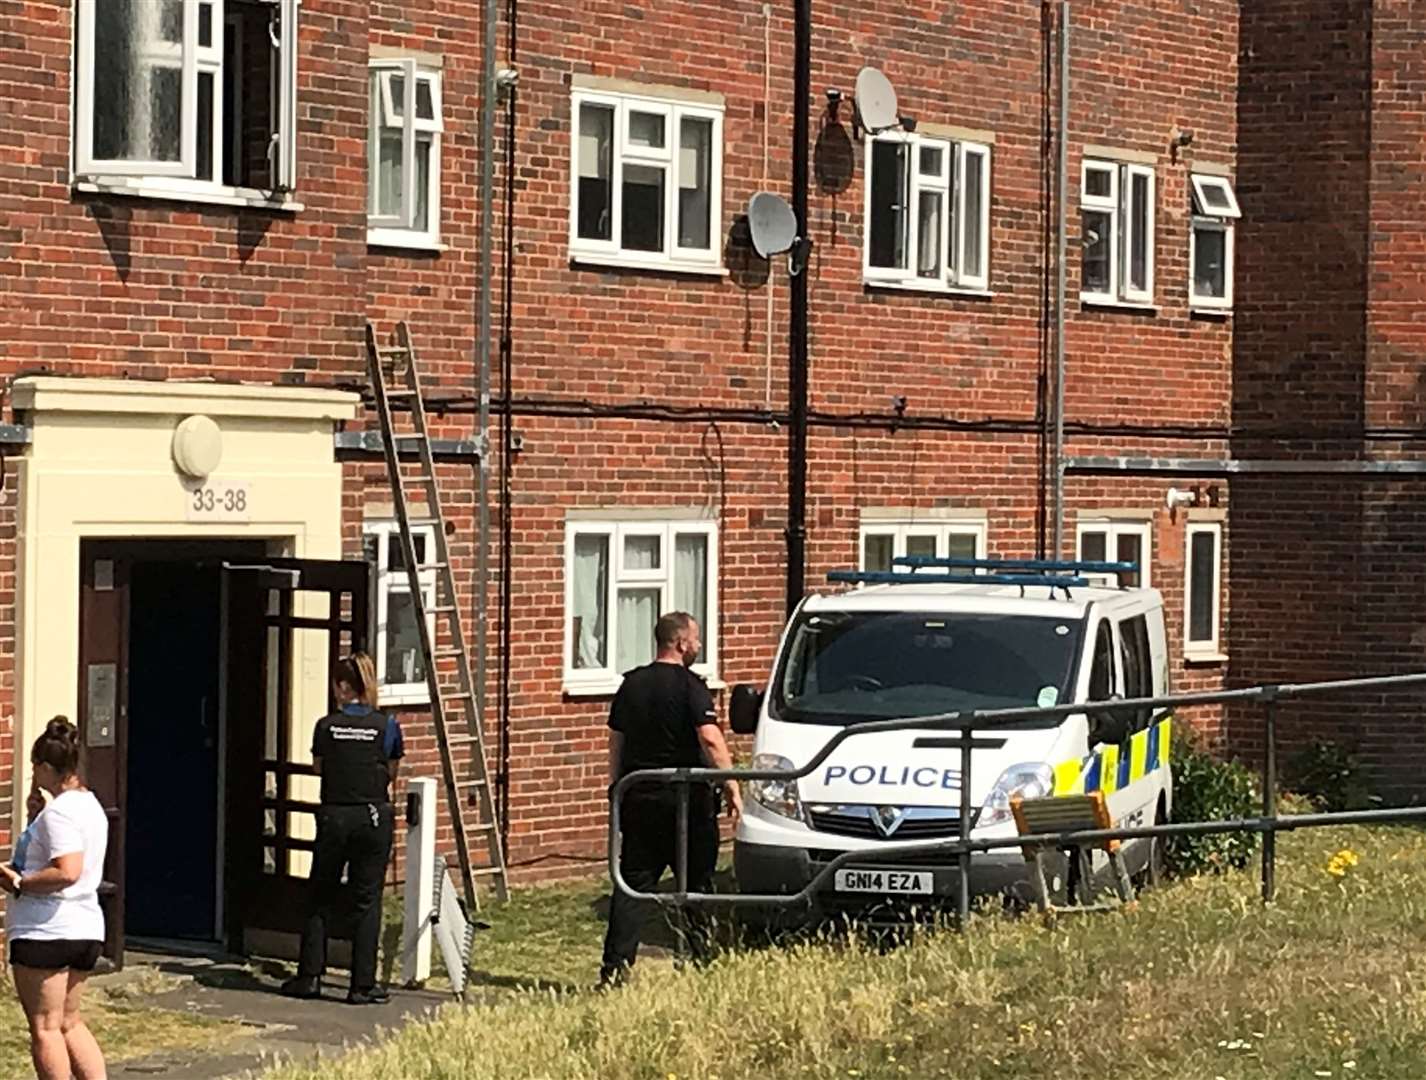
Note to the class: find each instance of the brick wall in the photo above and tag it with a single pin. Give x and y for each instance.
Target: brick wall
(1327, 358)
(1315, 105)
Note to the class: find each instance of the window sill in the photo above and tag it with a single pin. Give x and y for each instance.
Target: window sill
(610, 687)
(620, 262)
(933, 289)
(398, 698)
(1205, 658)
(213, 196)
(397, 240)
(1207, 311)
(1106, 303)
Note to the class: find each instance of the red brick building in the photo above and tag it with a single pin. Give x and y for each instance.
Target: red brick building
(218, 212)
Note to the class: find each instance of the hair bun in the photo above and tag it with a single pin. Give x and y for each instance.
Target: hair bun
(61, 728)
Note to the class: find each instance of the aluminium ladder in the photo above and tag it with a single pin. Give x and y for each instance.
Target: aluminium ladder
(455, 709)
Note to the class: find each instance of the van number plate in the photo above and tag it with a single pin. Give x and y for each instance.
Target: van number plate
(885, 882)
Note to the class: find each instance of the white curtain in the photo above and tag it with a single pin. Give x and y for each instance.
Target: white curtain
(642, 552)
(638, 611)
(690, 579)
(591, 590)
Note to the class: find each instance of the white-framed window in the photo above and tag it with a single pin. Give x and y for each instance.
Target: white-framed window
(883, 541)
(927, 212)
(1203, 589)
(404, 154)
(1110, 540)
(399, 664)
(186, 96)
(1210, 255)
(1117, 220)
(620, 576)
(646, 181)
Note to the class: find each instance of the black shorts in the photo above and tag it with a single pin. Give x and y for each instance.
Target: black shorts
(55, 955)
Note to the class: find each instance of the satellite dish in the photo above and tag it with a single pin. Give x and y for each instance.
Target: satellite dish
(772, 224)
(876, 101)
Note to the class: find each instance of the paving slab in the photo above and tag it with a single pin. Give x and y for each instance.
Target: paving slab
(246, 992)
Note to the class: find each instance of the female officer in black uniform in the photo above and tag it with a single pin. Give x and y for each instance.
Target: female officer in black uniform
(357, 751)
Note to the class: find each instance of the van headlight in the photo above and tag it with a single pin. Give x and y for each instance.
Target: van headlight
(1030, 781)
(779, 796)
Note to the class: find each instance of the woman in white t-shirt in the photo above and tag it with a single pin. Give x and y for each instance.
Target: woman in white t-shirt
(53, 922)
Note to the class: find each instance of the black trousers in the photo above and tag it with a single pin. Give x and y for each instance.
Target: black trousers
(650, 824)
(358, 839)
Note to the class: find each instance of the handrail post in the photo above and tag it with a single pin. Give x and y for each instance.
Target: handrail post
(680, 869)
(1270, 794)
(963, 855)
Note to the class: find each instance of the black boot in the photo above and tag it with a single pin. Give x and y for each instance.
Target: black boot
(303, 986)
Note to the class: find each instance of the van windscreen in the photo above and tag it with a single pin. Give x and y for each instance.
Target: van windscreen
(842, 667)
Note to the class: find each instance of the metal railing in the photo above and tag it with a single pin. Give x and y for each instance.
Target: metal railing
(963, 846)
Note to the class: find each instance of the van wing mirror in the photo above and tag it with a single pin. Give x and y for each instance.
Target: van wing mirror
(1108, 728)
(744, 708)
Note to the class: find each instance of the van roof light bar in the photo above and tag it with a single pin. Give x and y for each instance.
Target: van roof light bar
(1011, 566)
(901, 577)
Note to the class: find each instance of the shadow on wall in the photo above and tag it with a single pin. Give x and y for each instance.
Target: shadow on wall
(747, 269)
(115, 222)
(1317, 591)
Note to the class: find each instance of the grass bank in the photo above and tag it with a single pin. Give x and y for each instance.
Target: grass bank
(1198, 981)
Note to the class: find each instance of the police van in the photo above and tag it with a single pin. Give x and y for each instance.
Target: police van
(914, 644)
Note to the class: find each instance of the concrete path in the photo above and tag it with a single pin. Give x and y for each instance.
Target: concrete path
(277, 1028)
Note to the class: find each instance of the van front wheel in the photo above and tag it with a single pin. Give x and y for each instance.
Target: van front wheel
(1155, 870)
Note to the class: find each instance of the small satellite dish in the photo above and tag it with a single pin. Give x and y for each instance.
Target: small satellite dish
(876, 101)
(772, 224)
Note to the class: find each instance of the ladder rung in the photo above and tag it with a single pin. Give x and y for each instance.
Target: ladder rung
(450, 650)
(394, 350)
(456, 695)
(486, 871)
(441, 609)
(400, 392)
(471, 783)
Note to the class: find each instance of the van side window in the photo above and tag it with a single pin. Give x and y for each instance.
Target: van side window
(1101, 671)
(1138, 669)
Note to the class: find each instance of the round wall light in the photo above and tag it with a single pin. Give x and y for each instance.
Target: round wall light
(197, 446)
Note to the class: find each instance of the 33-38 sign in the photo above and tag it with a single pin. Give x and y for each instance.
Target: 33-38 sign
(219, 500)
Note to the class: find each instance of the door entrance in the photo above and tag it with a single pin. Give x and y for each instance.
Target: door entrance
(193, 658)
(172, 818)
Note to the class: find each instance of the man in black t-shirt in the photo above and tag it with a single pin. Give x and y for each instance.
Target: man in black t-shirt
(663, 717)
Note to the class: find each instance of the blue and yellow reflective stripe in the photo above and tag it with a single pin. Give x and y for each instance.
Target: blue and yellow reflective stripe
(1069, 778)
(1109, 771)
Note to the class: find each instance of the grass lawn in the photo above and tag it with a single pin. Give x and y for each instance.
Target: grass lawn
(1197, 982)
(125, 1029)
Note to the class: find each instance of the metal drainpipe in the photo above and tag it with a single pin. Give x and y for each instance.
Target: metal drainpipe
(1060, 284)
(487, 197)
(797, 331)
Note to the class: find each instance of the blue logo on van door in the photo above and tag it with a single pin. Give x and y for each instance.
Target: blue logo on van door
(922, 776)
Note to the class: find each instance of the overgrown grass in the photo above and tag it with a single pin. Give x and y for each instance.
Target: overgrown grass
(1197, 981)
(125, 1029)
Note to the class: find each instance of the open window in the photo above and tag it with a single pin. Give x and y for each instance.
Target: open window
(403, 206)
(1117, 210)
(1136, 659)
(1215, 209)
(927, 212)
(647, 181)
(196, 96)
